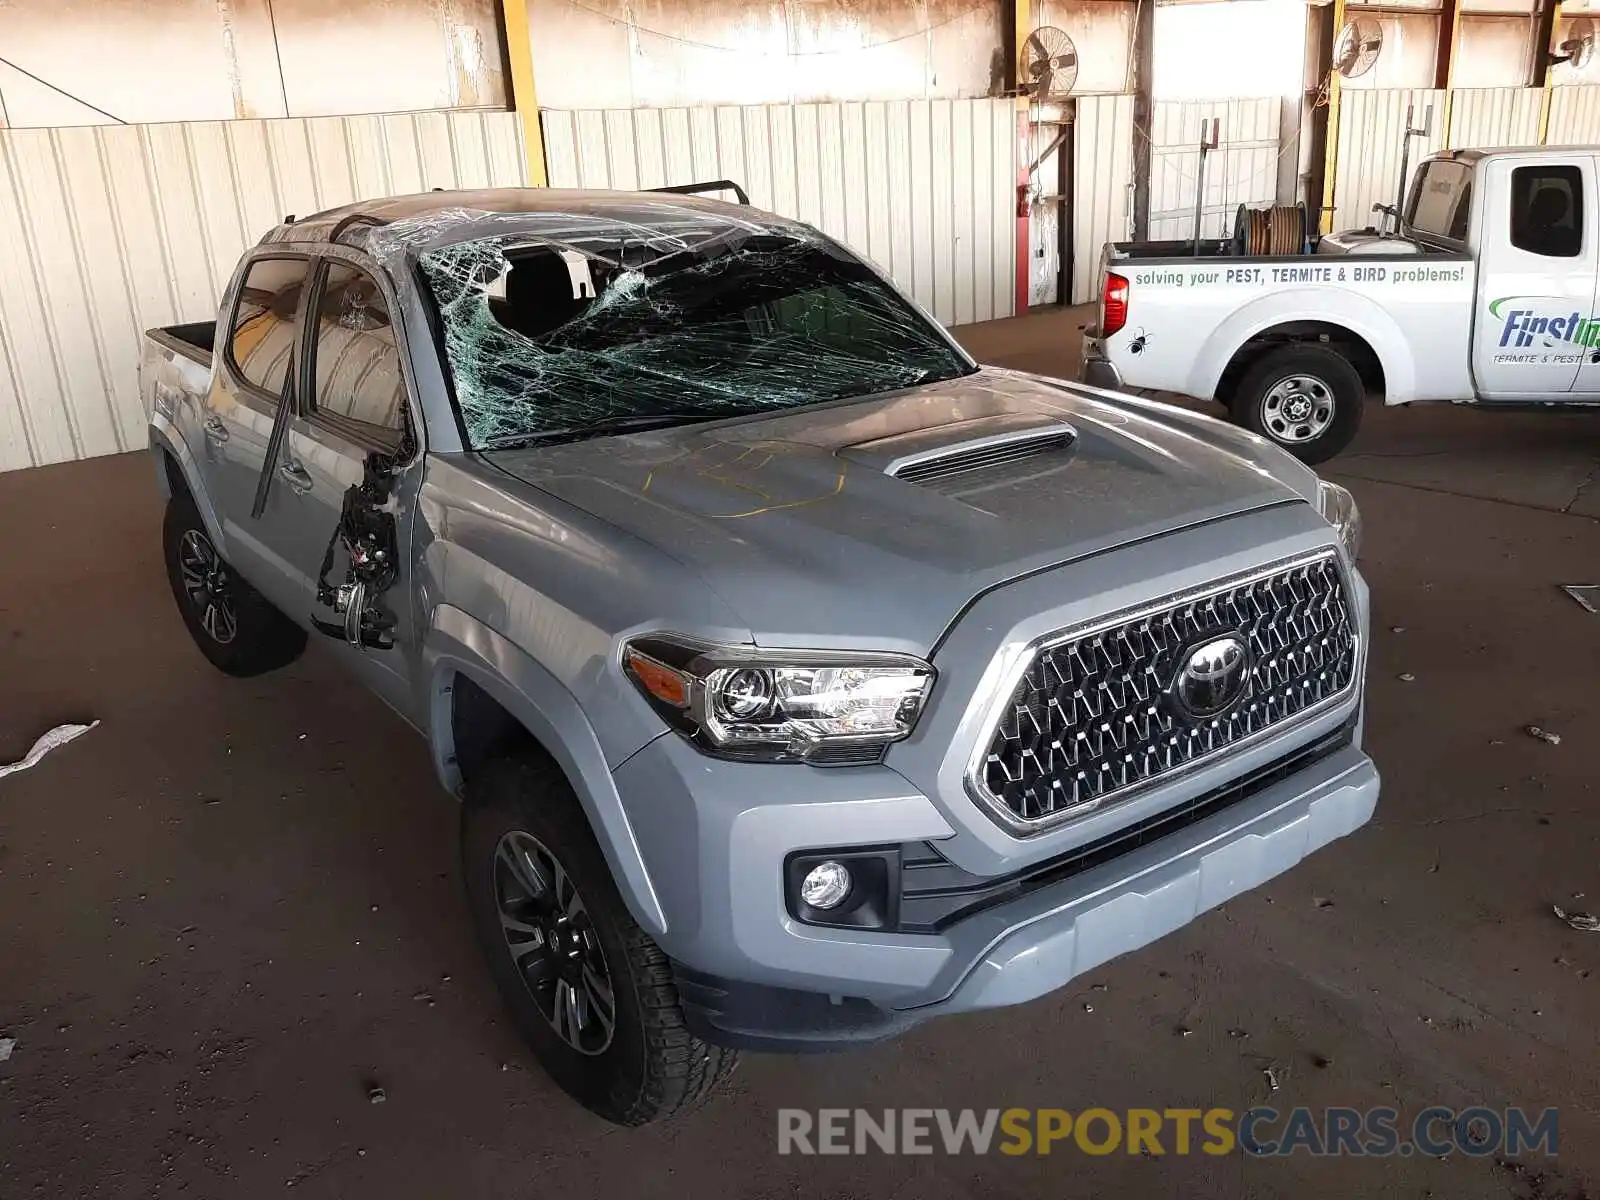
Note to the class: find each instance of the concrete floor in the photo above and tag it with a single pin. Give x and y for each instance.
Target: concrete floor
(233, 906)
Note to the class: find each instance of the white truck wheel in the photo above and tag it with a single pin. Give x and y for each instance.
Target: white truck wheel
(1306, 398)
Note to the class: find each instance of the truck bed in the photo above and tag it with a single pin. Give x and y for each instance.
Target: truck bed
(174, 370)
(1186, 318)
(1213, 249)
(194, 340)
(1208, 248)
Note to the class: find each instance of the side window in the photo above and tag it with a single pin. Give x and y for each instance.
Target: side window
(1547, 210)
(264, 327)
(1458, 223)
(357, 360)
(1442, 199)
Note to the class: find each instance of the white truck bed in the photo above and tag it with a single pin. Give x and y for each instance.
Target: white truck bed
(1188, 316)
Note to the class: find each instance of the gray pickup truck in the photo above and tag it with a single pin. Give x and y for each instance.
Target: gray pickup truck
(801, 679)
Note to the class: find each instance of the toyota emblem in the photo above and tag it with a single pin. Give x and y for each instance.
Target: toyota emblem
(1213, 676)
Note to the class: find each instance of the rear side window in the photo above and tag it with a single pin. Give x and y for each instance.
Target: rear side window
(264, 327)
(1443, 200)
(357, 361)
(1547, 210)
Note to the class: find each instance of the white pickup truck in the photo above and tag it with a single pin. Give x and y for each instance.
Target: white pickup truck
(1486, 295)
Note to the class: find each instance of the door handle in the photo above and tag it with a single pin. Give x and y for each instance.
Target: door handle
(215, 429)
(297, 476)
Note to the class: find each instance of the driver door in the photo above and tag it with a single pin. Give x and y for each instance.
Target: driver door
(1536, 276)
(356, 410)
(1586, 389)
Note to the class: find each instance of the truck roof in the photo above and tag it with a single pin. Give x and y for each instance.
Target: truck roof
(1475, 156)
(546, 210)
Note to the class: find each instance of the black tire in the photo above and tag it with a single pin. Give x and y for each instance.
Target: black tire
(650, 1067)
(261, 639)
(1308, 378)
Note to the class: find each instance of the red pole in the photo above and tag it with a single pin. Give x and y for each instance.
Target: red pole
(1022, 212)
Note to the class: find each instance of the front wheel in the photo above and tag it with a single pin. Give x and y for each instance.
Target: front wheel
(1305, 398)
(591, 993)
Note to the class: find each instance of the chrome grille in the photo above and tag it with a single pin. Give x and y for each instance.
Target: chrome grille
(1092, 716)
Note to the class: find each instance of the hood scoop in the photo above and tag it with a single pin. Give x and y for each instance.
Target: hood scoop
(925, 456)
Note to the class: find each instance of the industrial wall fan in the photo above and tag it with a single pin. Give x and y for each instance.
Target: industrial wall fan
(1577, 48)
(1357, 48)
(1049, 64)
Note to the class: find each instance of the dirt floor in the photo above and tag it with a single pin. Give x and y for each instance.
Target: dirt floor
(232, 909)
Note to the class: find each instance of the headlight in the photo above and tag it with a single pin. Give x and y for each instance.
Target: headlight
(1339, 510)
(796, 705)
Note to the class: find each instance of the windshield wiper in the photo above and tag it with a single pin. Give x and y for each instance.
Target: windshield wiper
(633, 423)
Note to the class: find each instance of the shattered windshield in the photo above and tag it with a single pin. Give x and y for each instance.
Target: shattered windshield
(546, 342)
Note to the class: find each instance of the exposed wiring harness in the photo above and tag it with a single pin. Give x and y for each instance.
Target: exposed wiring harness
(367, 536)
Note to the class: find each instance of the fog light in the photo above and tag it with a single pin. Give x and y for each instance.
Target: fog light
(826, 885)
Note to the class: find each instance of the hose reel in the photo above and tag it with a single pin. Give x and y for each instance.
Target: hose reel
(1281, 229)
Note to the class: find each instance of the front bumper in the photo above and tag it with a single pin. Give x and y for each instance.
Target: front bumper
(1095, 368)
(1036, 909)
(1146, 899)
(751, 975)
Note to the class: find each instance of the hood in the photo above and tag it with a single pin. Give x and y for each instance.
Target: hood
(872, 523)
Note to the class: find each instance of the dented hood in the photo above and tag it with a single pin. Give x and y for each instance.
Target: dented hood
(795, 520)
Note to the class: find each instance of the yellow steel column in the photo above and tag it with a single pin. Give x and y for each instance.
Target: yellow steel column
(1541, 69)
(1022, 26)
(519, 50)
(1444, 75)
(1330, 159)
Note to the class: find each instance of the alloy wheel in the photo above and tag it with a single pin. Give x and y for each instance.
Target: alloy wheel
(208, 585)
(553, 943)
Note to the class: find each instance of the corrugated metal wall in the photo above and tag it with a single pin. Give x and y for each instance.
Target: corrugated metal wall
(1486, 117)
(926, 188)
(1243, 169)
(1102, 185)
(1370, 127)
(107, 231)
(1370, 123)
(1574, 116)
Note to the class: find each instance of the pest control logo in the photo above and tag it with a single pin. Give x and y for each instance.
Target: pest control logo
(1538, 323)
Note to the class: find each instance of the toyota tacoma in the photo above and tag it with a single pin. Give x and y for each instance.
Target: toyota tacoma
(801, 679)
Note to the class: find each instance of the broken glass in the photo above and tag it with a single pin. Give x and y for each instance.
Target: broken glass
(595, 325)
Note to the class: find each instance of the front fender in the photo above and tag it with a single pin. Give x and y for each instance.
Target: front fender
(457, 643)
(1325, 306)
(166, 440)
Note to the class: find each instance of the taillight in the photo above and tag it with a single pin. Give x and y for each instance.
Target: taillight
(1113, 305)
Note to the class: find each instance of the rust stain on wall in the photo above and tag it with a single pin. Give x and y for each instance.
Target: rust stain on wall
(667, 53)
(197, 60)
(886, 18)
